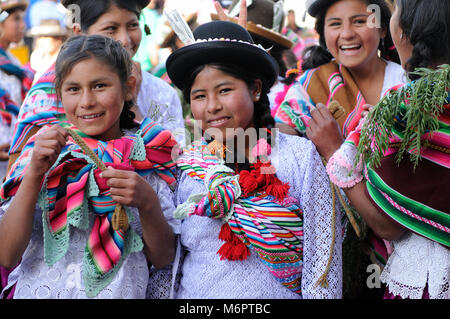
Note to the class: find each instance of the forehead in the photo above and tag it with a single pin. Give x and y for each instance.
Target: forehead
(89, 69)
(210, 75)
(347, 8)
(115, 15)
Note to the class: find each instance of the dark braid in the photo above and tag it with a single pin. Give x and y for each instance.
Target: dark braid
(425, 25)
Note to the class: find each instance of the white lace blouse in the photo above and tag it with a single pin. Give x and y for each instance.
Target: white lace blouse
(160, 102)
(417, 262)
(204, 275)
(64, 280)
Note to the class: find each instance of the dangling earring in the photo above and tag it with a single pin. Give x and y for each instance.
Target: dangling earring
(258, 96)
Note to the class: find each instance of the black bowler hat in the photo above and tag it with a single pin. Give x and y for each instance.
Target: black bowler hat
(221, 41)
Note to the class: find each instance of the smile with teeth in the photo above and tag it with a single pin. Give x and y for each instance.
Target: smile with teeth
(90, 116)
(218, 122)
(350, 47)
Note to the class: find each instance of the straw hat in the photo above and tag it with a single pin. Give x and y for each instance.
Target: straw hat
(221, 41)
(9, 4)
(48, 28)
(262, 24)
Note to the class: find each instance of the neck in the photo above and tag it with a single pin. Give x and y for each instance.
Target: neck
(368, 70)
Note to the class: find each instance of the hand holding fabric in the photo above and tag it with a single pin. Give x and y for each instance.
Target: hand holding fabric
(324, 131)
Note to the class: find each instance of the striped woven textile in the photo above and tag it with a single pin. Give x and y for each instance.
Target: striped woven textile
(415, 197)
(329, 82)
(73, 184)
(8, 109)
(272, 229)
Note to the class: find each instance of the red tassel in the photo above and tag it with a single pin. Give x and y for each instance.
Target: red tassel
(233, 248)
(278, 190)
(247, 182)
(240, 251)
(226, 233)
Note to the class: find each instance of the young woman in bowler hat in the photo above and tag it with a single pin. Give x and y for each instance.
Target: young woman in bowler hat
(258, 218)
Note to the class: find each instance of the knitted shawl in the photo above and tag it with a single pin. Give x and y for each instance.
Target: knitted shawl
(72, 187)
(324, 84)
(405, 144)
(262, 218)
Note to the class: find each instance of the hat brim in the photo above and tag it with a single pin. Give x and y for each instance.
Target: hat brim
(262, 33)
(183, 61)
(18, 4)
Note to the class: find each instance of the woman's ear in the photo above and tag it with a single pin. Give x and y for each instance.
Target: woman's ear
(256, 91)
(130, 93)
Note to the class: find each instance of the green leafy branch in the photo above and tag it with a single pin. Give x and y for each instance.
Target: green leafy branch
(410, 111)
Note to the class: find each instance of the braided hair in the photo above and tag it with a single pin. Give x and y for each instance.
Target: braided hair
(425, 25)
(317, 55)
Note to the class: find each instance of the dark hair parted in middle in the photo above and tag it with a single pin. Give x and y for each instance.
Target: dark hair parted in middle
(90, 11)
(104, 49)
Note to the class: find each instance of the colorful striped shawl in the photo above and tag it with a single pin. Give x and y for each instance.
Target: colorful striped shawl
(415, 211)
(39, 108)
(271, 229)
(72, 185)
(329, 82)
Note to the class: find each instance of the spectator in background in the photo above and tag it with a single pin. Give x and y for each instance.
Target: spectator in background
(13, 78)
(48, 37)
(46, 9)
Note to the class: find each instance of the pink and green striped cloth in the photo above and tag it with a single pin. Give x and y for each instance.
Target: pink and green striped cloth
(271, 229)
(73, 185)
(415, 197)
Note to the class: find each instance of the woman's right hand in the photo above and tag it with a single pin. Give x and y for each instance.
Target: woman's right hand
(324, 131)
(47, 147)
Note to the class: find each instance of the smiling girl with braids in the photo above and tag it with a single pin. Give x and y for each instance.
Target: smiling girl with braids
(256, 207)
(58, 212)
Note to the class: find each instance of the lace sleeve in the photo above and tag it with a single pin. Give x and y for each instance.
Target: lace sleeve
(166, 200)
(310, 185)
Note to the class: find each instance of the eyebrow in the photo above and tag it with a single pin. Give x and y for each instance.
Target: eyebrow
(101, 79)
(352, 17)
(116, 23)
(217, 86)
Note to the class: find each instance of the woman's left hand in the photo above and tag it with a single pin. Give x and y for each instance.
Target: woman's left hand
(129, 188)
(324, 131)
